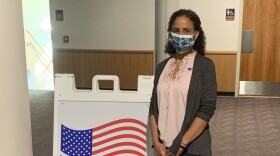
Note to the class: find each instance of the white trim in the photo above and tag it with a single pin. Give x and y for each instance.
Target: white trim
(238, 57)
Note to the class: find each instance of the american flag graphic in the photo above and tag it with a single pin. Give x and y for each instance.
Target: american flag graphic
(119, 137)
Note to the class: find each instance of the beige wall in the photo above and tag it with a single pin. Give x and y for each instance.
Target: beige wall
(223, 38)
(104, 24)
(15, 132)
(100, 28)
(221, 35)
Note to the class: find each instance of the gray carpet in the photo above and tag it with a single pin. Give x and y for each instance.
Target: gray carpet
(41, 107)
(246, 127)
(240, 127)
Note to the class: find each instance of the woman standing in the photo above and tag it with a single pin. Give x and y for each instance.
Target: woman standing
(185, 91)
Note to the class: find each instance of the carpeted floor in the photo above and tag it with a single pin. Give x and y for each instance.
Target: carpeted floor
(246, 127)
(41, 107)
(242, 126)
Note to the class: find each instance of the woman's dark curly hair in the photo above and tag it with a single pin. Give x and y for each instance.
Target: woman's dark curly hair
(199, 44)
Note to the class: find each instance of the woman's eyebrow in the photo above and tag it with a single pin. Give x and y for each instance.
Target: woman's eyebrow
(175, 28)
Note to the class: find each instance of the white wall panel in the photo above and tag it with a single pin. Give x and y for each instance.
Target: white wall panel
(105, 24)
(221, 35)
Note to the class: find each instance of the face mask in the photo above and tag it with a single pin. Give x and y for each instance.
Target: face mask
(182, 43)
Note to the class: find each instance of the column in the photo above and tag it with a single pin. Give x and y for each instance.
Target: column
(164, 9)
(15, 132)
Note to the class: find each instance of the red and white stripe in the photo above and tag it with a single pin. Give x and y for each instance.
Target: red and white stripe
(120, 137)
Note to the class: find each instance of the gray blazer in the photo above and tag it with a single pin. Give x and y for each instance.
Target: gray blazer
(201, 103)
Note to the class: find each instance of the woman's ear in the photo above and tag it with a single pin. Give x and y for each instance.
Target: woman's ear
(196, 35)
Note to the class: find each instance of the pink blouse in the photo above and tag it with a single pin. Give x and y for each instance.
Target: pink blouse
(172, 98)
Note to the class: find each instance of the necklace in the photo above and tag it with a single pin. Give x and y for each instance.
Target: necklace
(181, 65)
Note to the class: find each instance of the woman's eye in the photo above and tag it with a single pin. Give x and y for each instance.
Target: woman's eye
(175, 31)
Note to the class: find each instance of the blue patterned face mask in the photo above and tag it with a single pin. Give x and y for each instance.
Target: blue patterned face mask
(182, 43)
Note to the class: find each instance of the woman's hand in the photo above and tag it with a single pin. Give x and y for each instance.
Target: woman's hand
(160, 148)
(180, 151)
(170, 154)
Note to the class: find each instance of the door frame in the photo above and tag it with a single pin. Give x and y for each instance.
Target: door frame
(237, 74)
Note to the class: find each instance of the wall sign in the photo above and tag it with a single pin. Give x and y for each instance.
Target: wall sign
(230, 13)
(59, 15)
(65, 39)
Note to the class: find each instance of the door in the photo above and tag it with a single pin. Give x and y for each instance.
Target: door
(260, 68)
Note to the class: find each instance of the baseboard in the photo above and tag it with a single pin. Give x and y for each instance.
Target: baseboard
(225, 94)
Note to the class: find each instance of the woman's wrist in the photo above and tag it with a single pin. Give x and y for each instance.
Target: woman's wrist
(183, 145)
(155, 141)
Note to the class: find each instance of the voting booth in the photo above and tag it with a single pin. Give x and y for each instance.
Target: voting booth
(101, 122)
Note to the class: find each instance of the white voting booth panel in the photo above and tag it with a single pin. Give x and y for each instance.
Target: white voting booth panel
(101, 122)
